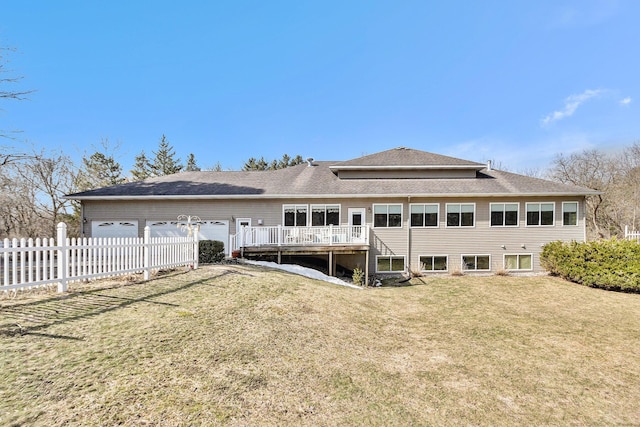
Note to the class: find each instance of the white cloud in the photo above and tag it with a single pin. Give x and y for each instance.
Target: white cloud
(571, 104)
(625, 101)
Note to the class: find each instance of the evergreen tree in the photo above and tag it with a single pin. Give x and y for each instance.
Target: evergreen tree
(99, 170)
(142, 167)
(164, 161)
(252, 164)
(191, 164)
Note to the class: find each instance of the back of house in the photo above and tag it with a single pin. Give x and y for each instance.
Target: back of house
(396, 211)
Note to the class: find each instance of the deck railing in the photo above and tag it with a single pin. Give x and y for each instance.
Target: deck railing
(300, 236)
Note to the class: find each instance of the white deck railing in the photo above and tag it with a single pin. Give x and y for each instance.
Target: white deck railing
(300, 236)
(28, 263)
(631, 234)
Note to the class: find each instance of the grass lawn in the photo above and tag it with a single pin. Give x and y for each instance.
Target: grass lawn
(243, 345)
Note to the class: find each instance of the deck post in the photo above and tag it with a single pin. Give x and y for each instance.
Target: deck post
(366, 267)
(330, 267)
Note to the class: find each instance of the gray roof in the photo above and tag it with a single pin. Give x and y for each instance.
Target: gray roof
(406, 158)
(319, 180)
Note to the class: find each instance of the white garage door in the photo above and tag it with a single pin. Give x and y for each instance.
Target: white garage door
(114, 228)
(209, 230)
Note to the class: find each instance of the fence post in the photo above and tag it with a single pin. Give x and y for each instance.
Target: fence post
(147, 252)
(626, 231)
(63, 257)
(196, 249)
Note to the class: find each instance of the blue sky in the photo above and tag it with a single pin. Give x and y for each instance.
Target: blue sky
(513, 81)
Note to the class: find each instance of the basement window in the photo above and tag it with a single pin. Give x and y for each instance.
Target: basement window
(476, 262)
(434, 263)
(389, 264)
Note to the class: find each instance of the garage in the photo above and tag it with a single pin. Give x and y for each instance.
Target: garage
(114, 229)
(209, 230)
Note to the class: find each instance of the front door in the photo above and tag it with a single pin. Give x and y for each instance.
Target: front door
(357, 219)
(243, 231)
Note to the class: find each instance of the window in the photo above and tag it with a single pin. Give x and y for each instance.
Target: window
(461, 214)
(476, 262)
(389, 264)
(569, 213)
(424, 215)
(295, 215)
(518, 262)
(540, 213)
(504, 214)
(387, 215)
(325, 215)
(434, 263)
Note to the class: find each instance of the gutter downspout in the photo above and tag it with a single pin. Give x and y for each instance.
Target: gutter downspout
(409, 236)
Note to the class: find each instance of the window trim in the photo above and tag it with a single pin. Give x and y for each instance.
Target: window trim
(504, 261)
(577, 213)
(504, 215)
(526, 211)
(434, 256)
(476, 269)
(437, 205)
(373, 215)
(324, 205)
(446, 213)
(295, 207)
(404, 262)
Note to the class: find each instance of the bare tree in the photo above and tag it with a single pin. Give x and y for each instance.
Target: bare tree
(52, 178)
(8, 94)
(592, 169)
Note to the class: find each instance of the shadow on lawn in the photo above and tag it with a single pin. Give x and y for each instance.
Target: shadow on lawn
(30, 318)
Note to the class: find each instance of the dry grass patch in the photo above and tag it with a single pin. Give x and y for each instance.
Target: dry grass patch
(243, 345)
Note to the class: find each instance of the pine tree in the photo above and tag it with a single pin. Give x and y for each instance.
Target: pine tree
(191, 164)
(260, 165)
(142, 167)
(99, 170)
(165, 162)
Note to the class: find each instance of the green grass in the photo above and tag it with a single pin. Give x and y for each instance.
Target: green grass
(242, 345)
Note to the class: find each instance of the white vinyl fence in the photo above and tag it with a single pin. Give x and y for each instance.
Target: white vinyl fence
(27, 263)
(631, 234)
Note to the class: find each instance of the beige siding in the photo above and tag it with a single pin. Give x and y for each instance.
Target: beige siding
(411, 242)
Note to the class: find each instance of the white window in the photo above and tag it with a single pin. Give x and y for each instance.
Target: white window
(569, 213)
(476, 262)
(434, 263)
(322, 215)
(389, 264)
(461, 214)
(518, 262)
(539, 214)
(504, 214)
(424, 215)
(387, 215)
(294, 215)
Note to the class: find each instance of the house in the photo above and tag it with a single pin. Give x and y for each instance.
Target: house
(395, 211)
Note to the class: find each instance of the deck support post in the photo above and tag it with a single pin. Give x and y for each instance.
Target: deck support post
(366, 267)
(279, 257)
(330, 267)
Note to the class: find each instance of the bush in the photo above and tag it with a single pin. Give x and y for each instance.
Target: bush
(608, 264)
(358, 276)
(210, 251)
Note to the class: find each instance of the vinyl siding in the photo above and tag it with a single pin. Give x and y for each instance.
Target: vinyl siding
(411, 242)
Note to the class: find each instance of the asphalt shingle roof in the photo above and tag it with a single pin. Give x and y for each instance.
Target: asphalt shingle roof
(320, 181)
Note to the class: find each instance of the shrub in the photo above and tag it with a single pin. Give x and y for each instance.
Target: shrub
(358, 276)
(608, 264)
(210, 251)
